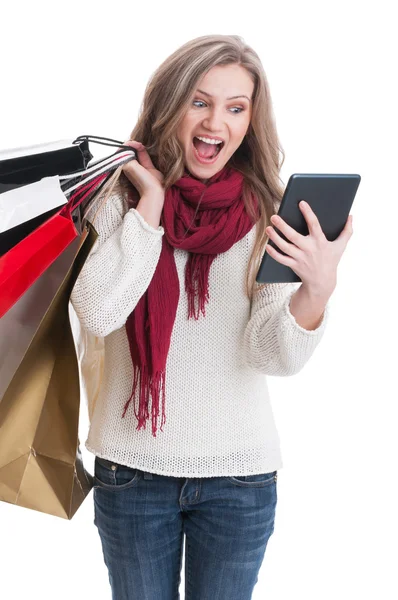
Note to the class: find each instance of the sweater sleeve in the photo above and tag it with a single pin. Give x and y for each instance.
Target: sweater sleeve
(274, 343)
(118, 269)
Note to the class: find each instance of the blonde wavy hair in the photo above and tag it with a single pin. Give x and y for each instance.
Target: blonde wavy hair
(259, 157)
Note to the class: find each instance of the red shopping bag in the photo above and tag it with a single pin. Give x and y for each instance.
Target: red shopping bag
(23, 264)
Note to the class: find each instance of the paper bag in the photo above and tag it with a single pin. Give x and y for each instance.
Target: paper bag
(90, 350)
(24, 263)
(40, 459)
(21, 166)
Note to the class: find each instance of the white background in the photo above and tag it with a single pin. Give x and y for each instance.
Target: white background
(81, 68)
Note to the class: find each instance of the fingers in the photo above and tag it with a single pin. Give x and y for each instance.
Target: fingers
(314, 227)
(134, 144)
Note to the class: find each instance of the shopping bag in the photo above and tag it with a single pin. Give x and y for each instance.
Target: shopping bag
(90, 348)
(21, 166)
(29, 201)
(21, 266)
(90, 351)
(24, 263)
(20, 323)
(41, 464)
(12, 237)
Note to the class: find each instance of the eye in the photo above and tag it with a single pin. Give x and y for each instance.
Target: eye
(234, 107)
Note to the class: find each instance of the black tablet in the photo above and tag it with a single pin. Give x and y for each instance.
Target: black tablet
(330, 197)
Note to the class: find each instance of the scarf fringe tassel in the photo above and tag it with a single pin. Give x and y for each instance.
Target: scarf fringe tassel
(155, 386)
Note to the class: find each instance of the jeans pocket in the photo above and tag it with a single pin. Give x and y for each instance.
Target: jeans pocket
(258, 480)
(110, 475)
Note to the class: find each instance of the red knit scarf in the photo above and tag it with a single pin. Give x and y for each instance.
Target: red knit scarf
(220, 222)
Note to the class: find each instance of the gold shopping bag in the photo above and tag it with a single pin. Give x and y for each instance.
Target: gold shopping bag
(41, 464)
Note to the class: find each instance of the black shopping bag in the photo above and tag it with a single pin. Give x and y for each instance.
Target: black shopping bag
(21, 166)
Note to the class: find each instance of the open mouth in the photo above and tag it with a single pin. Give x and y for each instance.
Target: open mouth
(207, 151)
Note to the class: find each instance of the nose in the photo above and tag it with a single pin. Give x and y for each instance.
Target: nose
(214, 119)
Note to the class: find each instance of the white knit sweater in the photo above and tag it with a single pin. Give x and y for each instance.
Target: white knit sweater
(219, 420)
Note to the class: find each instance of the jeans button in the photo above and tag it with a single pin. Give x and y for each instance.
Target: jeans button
(113, 467)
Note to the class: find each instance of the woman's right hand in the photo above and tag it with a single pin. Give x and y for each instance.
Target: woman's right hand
(142, 173)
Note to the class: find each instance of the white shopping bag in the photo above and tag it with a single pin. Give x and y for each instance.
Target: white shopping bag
(29, 201)
(90, 352)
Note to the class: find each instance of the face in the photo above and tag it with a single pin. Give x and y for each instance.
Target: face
(215, 113)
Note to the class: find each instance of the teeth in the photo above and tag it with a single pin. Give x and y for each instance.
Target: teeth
(208, 140)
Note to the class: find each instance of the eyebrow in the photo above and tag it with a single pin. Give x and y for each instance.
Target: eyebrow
(231, 98)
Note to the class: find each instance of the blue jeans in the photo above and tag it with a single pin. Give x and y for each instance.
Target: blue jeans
(142, 518)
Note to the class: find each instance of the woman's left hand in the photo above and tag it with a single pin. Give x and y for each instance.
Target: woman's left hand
(312, 257)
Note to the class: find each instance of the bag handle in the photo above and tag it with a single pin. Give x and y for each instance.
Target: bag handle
(113, 179)
(95, 139)
(109, 186)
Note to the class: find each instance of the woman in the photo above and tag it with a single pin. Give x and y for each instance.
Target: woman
(189, 335)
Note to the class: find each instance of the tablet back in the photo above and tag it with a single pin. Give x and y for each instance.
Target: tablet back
(330, 197)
